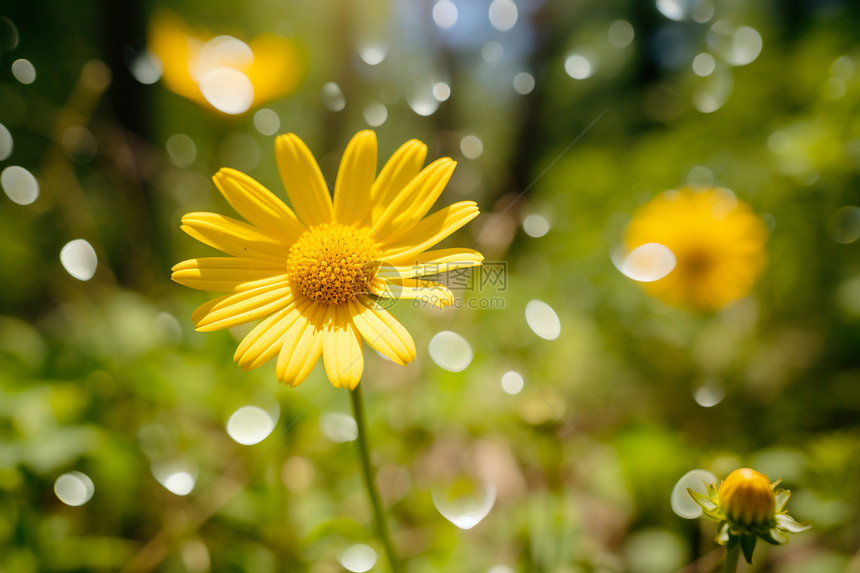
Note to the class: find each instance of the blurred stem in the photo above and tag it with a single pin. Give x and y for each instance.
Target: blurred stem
(733, 554)
(369, 483)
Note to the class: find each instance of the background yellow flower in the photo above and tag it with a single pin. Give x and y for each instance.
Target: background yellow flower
(717, 241)
(220, 71)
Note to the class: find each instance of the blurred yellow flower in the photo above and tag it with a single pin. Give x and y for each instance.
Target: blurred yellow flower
(223, 72)
(747, 497)
(318, 273)
(748, 507)
(717, 241)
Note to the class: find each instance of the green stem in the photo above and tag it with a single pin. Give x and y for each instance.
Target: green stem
(369, 483)
(733, 554)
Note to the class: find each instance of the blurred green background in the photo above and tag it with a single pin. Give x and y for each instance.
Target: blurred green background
(564, 117)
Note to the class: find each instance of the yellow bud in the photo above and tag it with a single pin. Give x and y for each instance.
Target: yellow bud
(747, 497)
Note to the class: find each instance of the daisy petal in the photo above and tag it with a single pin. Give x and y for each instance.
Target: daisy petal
(382, 331)
(431, 230)
(342, 355)
(303, 180)
(354, 180)
(264, 342)
(428, 292)
(233, 237)
(398, 171)
(429, 263)
(241, 307)
(301, 347)
(225, 274)
(412, 203)
(258, 205)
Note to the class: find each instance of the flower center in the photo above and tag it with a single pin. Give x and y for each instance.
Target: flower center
(332, 263)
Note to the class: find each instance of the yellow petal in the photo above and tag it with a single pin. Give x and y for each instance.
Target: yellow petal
(264, 342)
(225, 274)
(352, 198)
(342, 355)
(303, 181)
(396, 174)
(174, 46)
(241, 307)
(276, 69)
(431, 230)
(427, 292)
(429, 263)
(301, 346)
(233, 237)
(412, 203)
(382, 331)
(258, 205)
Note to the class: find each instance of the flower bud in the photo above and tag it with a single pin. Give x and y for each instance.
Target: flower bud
(747, 497)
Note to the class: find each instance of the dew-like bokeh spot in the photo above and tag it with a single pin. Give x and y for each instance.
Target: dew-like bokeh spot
(74, 488)
(195, 556)
(647, 263)
(250, 425)
(24, 71)
(180, 483)
(450, 351)
(524, 83)
(178, 476)
(621, 34)
(844, 224)
(512, 382)
(375, 114)
(181, 150)
(501, 569)
(704, 64)
(709, 394)
(464, 501)
(267, 121)
(423, 104)
(703, 11)
(543, 320)
(503, 15)
(372, 54)
(222, 52)
(338, 428)
(445, 14)
(535, 225)
(79, 259)
(358, 558)
(492, 52)
(441, 91)
(471, 146)
(737, 46)
(8, 34)
(578, 67)
(19, 185)
(228, 90)
(146, 68)
(682, 504)
(700, 176)
(332, 97)
(6, 142)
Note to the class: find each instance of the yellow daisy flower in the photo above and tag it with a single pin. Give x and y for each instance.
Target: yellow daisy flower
(717, 241)
(317, 273)
(223, 72)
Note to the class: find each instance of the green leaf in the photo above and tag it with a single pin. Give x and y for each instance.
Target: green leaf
(748, 546)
